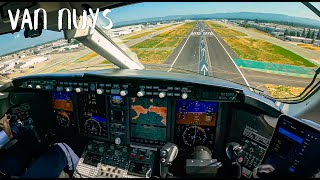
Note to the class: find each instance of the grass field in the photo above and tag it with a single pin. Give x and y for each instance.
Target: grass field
(223, 31)
(280, 91)
(145, 32)
(170, 38)
(253, 49)
(152, 56)
(310, 46)
(105, 62)
(87, 57)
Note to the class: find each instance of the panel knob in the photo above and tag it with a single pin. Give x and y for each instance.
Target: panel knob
(140, 93)
(59, 88)
(99, 91)
(123, 92)
(184, 95)
(38, 86)
(49, 87)
(117, 140)
(162, 94)
(30, 86)
(68, 89)
(79, 89)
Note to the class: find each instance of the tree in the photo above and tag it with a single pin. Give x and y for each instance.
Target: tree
(303, 32)
(292, 33)
(286, 32)
(313, 35)
(298, 34)
(309, 34)
(318, 36)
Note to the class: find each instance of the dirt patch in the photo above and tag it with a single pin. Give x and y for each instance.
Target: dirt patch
(310, 46)
(280, 91)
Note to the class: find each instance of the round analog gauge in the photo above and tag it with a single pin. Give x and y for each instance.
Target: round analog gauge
(194, 135)
(63, 119)
(92, 126)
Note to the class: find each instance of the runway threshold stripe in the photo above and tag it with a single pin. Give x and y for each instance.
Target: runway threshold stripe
(231, 59)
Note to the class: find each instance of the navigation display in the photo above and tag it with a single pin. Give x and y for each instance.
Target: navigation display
(196, 112)
(148, 120)
(63, 108)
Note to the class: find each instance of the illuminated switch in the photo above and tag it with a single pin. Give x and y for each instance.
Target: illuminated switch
(141, 157)
(132, 155)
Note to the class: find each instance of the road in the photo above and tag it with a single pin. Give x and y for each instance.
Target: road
(218, 60)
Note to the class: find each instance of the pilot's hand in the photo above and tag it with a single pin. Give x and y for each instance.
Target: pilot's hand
(6, 126)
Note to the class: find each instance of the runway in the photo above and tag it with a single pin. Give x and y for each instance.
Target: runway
(203, 51)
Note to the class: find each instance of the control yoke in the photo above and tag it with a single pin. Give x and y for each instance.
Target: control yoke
(168, 154)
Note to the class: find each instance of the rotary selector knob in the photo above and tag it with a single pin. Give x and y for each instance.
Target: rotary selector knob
(79, 89)
(90, 147)
(117, 140)
(68, 89)
(123, 92)
(184, 95)
(99, 91)
(162, 94)
(30, 86)
(140, 93)
(59, 88)
(38, 86)
(101, 149)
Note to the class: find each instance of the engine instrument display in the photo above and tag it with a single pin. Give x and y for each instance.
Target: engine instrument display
(63, 108)
(195, 123)
(92, 114)
(148, 120)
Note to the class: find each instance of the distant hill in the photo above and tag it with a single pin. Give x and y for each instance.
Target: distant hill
(236, 15)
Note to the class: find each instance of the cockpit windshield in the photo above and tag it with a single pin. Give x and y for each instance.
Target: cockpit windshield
(271, 47)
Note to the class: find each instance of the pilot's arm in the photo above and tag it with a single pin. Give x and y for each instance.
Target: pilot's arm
(6, 133)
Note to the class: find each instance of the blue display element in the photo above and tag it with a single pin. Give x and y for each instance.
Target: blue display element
(117, 97)
(291, 169)
(99, 119)
(290, 135)
(196, 106)
(62, 96)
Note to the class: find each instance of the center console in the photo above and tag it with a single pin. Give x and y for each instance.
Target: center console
(103, 160)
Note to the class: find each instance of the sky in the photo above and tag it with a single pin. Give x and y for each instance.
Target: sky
(16, 41)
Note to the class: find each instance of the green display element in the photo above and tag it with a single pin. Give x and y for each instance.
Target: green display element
(148, 132)
(282, 69)
(148, 111)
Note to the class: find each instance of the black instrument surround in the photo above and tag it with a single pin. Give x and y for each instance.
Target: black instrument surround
(130, 107)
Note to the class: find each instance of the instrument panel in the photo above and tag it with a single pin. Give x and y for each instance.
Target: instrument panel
(138, 120)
